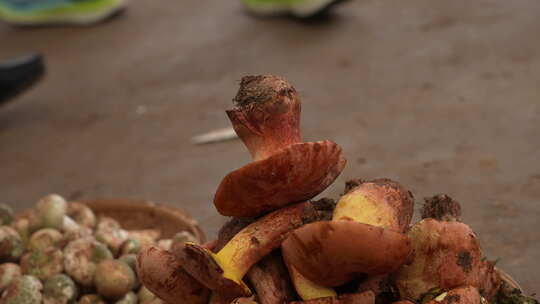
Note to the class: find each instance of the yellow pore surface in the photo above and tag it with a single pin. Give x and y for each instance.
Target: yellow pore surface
(307, 289)
(358, 207)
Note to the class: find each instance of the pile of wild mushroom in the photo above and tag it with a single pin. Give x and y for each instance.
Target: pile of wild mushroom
(280, 247)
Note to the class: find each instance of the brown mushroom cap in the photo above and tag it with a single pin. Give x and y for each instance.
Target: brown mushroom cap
(333, 253)
(161, 273)
(293, 174)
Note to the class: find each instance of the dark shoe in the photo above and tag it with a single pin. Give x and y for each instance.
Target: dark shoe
(19, 74)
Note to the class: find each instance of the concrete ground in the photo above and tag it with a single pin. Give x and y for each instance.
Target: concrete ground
(443, 96)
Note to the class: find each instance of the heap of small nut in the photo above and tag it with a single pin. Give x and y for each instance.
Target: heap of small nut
(60, 253)
(282, 247)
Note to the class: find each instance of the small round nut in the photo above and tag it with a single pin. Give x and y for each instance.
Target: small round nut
(129, 298)
(91, 299)
(184, 237)
(81, 258)
(81, 214)
(114, 279)
(23, 290)
(77, 234)
(6, 215)
(110, 233)
(145, 295)
(11, 244)
(165, 244)
(130, 246)
(52, 209)
(131, 260)
(22, 226)
(8, 273)
(45, 238)
(43, 264)
(59, 289)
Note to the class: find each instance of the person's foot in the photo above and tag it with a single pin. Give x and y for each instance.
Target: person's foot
(19, 74)
(296, 8)
(45, 12)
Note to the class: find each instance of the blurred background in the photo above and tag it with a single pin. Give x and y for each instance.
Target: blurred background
(443, 96)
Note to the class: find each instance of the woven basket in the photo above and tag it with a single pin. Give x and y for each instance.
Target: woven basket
(139, 214)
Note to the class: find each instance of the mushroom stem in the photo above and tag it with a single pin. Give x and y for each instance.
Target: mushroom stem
(270, 280)
(223, 271)
(267, 115)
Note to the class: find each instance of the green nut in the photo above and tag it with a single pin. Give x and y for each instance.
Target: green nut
(81, 214)
(43, 264)
(145, 295)
(52, 209)
(81, 258)
(8, 273)
(45, 238)
(130, 246)
(6, 214)
(165, 244)
(91, 299)
(108, 232)
(114, 279)
(11, 244)
(129, 298)
(184, 237)
(59, 289)
(22, 226)
(131, 260)
(77, 234)
(107, 223)
(23, 290)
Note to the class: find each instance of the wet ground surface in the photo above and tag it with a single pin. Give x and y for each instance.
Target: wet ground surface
(441, 96)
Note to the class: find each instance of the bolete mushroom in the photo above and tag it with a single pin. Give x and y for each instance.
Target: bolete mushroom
(285, 170)
(460, 295)
(380, 202)
(357, 298)
(364, 235)
(223, 271)
(162, 274)
(447, 255)
(331, 253)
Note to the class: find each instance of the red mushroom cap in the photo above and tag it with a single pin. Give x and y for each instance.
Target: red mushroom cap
(296, 173)
(333, 253)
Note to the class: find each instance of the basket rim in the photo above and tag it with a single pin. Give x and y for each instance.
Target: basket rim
(169, 210)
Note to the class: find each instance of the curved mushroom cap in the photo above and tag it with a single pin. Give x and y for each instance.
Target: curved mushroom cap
(293, 174)
(161, 273)
(333, 253)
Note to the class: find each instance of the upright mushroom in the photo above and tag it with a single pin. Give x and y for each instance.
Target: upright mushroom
(285, 170)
